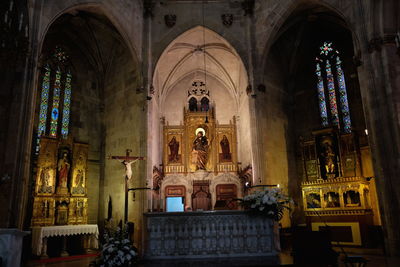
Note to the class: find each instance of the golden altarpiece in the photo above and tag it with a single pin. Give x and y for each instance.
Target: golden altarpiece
(337, 188)
(199, 158)
(60, 195)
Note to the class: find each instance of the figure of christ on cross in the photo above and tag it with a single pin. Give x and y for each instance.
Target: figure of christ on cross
(127, 162)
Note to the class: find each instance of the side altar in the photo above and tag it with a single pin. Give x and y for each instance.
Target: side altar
(60, 201)
(200, 160)
(60, 195)
(338, 190)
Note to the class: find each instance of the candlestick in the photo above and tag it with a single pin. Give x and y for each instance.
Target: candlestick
(20, 22)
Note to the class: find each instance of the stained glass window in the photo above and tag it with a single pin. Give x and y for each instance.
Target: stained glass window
(67, 106)
(332, 94)
(56, 90)
(56, 103)
(335, 80)
(44, 99)
(344, 105)
(321, 97)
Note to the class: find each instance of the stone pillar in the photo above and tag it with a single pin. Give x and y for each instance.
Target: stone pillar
(380, 89)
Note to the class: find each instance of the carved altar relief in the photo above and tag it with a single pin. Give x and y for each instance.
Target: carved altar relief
(196, 122)
(174, 149)
(60, 189)
(199, 151)
(46, 171)
(79, 169)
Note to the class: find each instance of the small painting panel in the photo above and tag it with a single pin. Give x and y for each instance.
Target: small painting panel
(352, 198)
(174, 145)
(78, 182)
(313, 201)
(47, 161)
(332, 200)
(225, 147)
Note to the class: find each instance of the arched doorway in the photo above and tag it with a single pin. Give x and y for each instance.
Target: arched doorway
(199, 87)
(83, 56)
(319, 144)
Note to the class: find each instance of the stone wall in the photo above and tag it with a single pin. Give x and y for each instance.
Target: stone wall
(125, 128)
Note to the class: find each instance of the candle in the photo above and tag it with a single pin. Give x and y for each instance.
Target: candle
(5, 16)
(20, 22)
(26, 31)
(11, 4)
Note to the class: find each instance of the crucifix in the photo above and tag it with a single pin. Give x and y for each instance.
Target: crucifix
(127, 162)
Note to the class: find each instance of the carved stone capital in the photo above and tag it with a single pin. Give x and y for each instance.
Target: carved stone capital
(248, 7)
(148, 7)
(170, 20)
(227, 19)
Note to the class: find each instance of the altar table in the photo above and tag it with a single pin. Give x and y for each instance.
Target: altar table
(209, 234)
(40, 235)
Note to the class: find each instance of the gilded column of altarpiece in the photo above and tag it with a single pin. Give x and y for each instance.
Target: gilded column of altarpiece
(60, 192)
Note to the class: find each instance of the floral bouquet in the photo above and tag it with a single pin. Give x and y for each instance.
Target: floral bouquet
(268, 202)
(117, 249)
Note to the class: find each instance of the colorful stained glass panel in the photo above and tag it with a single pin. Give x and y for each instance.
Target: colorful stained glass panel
(344, 105)
(321, 97)
(56, 104)
(66, 107)
(44, 103)
(332, 95)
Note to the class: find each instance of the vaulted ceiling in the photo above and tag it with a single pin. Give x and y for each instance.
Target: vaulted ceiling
(200, 51)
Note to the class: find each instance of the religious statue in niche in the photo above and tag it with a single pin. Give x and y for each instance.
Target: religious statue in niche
(328, 157)
(62, 213)
(174, 156)
(332, 200)
(200, 151)
(63, 167)
(79, 178)
(79, 209)
(226, 155)
(351, 198)
(45, 209)
(313, 201)
(45, 176)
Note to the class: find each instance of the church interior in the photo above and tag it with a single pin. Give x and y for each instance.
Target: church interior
(220, 132)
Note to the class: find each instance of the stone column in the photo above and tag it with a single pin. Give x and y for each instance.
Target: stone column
(380, 90)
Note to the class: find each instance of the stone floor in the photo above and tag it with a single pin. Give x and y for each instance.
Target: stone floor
(285, 259)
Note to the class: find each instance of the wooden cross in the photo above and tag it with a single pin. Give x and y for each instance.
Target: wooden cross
(127, 162)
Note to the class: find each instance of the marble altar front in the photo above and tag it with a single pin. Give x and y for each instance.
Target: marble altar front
(209, 234)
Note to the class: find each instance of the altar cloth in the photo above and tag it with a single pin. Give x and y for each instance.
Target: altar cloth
(41, 232)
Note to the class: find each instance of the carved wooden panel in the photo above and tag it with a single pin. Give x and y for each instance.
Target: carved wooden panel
(227, 193)
(174, 149)
(201, 197)
(46, 167)
(79, 169)
(175, 191)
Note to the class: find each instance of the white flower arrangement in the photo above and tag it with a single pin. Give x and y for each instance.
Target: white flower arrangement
(269, 202)
(117, 249)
